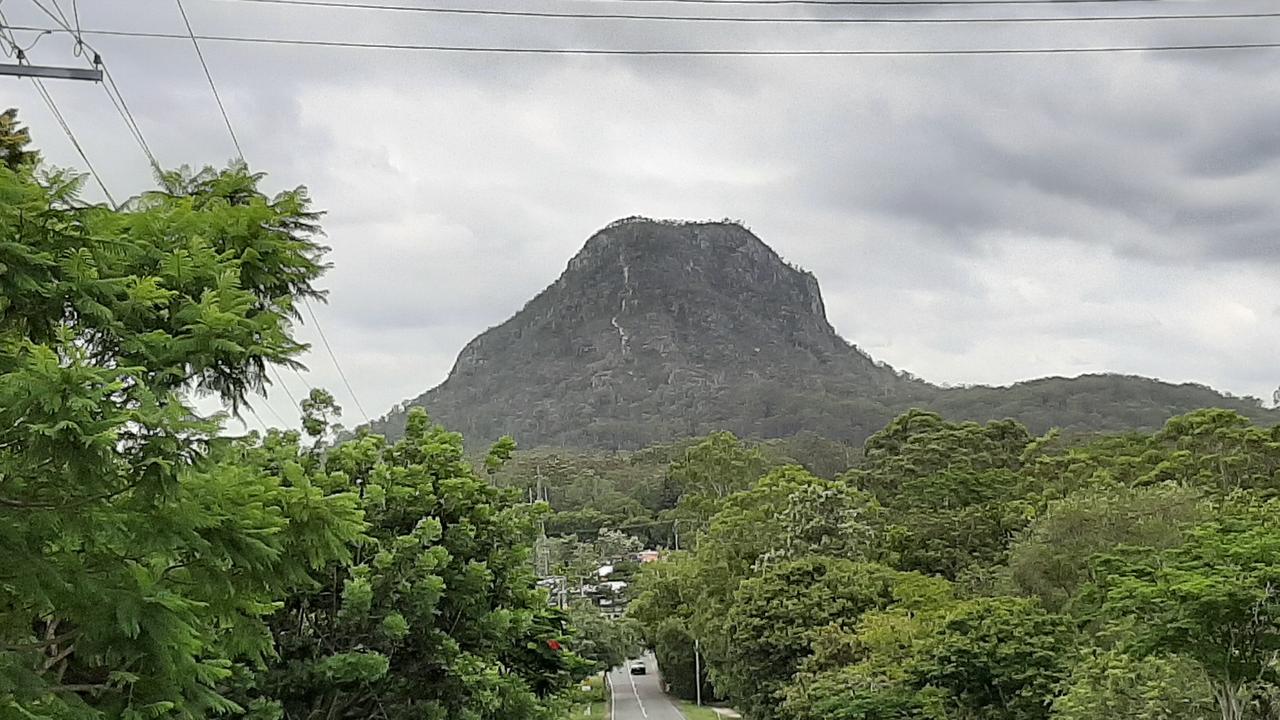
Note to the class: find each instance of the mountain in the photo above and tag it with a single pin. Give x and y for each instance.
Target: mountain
(658, 330)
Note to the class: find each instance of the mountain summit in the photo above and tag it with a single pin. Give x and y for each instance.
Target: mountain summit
(658, 330)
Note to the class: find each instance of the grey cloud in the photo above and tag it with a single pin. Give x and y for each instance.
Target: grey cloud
(1244, 147)
(970, 219)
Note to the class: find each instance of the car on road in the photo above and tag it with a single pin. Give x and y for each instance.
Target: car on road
(638, 668)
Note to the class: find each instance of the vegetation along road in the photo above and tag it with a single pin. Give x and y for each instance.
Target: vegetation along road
(640, 697)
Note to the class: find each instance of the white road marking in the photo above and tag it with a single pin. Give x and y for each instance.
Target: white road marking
(613, 703)
(636, 692)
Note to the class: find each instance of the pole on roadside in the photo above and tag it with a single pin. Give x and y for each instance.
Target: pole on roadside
(697, 669)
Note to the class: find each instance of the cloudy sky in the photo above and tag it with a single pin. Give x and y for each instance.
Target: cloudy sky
(972, 219)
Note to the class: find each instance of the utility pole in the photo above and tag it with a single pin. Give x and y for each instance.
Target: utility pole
(697, 669)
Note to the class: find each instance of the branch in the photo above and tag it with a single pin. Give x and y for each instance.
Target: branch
(68, 505)
(78, 688)
(60, 656)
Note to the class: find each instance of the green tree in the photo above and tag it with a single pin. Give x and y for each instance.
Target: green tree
(953, 493)
(710, 471)
(142, 562)
(1221, 451)
(931, 657)
(440, 616)
(1115, 684)
(824, 518)
(1051, 558)
(665, 600)
(319, 412)
(1212, 599)
(866, 672)
(777, 615)
(997, 658)
(606, 643)
(14, 139)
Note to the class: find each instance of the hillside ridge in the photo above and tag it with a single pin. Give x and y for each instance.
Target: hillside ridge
(661, 329)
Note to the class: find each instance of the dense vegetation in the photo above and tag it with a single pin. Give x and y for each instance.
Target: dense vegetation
(969, 571)
(156, 568)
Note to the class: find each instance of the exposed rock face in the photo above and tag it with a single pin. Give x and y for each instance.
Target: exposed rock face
(658, 330)
(655, 330)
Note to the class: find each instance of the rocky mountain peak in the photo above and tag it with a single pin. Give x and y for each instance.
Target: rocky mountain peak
(659, 330)
(650, 322)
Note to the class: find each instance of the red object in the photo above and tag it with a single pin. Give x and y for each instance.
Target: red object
(553, 644)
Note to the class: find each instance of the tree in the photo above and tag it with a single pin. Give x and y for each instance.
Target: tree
(1051, 558)
(866, 672)
(1115, 684)
(664, 602)
(1214, 599)
(953, 493)
(440, 616)
(710, 471)
(777, 615)
(1219, 450)
(604, 642)
(142, 561)
(319, 412)
(997, 658)
(156, 569)
(14, 139)
(825, 518)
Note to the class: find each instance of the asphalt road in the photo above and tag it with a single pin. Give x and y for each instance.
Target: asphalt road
(640, 697)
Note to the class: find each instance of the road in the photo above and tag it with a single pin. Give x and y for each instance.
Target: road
(640, 697)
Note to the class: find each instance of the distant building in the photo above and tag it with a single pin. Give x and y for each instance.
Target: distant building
(648, 556)
(604, 571)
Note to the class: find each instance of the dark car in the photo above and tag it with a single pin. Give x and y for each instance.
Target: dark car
(637, 668)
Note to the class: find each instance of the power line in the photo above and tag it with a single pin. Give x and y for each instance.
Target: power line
(240, 152)
(280, 382)
(302, 380)
(57, 7)
(209, 76)
(506, 50)
(129, 120)
(57, 114)
(53, 107)
(257, 417)
(895, 3)
(631, 526)
(334, 358)
(271, 410)
(117, 100)
(342, 5)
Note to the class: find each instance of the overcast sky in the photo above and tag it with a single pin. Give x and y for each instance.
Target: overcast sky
(971, 219)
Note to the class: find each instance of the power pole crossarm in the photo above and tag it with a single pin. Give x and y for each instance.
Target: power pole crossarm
(57, 73)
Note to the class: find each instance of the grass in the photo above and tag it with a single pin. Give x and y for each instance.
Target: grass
(693, 712)
(592, 703)
(598, 711)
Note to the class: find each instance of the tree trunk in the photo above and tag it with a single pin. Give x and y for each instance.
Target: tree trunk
(1229, 697)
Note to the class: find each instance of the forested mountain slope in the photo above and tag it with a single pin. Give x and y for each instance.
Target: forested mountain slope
(660, 330)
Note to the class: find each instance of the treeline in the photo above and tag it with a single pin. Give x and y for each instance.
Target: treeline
(593, 491)
(154, 568)
(967, 571)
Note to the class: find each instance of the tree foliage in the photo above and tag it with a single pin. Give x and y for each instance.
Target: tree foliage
(156, 568)
(928, 581)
